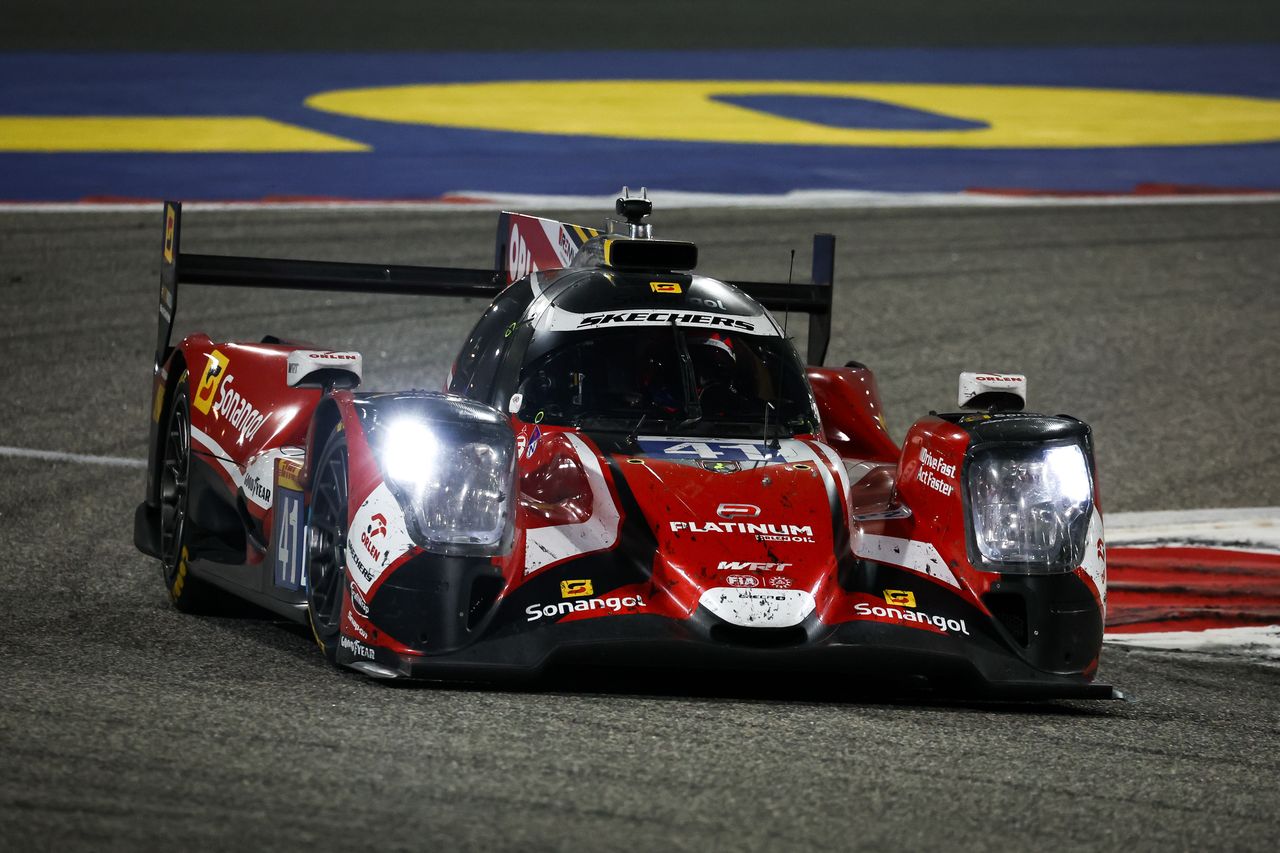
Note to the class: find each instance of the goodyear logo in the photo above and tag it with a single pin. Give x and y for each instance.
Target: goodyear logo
(900, 597)
(665, 286)
(575, 588)
(214, 371)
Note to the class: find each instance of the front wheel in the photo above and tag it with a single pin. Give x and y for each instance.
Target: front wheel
(327, 544)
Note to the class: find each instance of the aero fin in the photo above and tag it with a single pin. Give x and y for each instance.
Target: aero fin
(528, 244)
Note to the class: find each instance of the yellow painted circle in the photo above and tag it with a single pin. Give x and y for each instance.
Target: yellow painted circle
(685, 110)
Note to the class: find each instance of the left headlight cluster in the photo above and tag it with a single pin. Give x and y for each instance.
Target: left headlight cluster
(454, 480)
(1030, 506)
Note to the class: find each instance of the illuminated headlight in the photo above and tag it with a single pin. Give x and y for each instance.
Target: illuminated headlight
(454, 482)
(1030, 506)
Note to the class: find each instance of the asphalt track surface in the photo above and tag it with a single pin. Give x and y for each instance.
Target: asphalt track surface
(126, 725)
(515, 25)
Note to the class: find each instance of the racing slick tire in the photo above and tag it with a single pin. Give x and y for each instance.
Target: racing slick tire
(327, 544)
(188, 594)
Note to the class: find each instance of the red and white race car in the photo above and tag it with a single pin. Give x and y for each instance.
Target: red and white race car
(631, 465)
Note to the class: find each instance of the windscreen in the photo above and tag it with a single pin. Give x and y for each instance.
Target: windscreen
(690, 381)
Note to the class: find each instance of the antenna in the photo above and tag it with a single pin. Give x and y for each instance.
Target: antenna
(786, 317)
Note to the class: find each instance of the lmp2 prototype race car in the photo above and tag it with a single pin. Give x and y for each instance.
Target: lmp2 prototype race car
(631, 466)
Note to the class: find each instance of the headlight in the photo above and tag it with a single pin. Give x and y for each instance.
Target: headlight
(1030, 506)
(454, 481)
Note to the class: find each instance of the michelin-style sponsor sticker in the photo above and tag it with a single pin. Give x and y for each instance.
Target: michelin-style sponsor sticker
(613, 603)
(555, 319)
(709, 451)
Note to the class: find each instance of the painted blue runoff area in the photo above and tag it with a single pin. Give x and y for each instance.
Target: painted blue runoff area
(409, 161)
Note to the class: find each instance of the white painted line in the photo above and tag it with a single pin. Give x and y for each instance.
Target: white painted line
(665, 200)
(1247, 528)
(1259, 642)
(82, 458)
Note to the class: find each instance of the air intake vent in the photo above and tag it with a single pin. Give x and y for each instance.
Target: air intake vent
(1010, 610)
(760, 638)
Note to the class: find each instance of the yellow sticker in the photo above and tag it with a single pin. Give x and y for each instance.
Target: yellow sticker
(575, 589)
(289, 474)
(1001, 116)
(209, 382)
(158, 405)
(170, 217)
(665, 286)
(900, 597)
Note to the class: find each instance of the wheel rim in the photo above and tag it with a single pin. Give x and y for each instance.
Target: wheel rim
(174, 480)
(327, 542)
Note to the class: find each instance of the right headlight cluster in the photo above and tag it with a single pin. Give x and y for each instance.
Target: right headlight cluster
(1029, 506)
(455, 482)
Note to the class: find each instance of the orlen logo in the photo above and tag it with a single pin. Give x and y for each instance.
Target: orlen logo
(998, 378)
(339, 356)
(519, 256)
(737, 511)
(742, 580)
(377, 527)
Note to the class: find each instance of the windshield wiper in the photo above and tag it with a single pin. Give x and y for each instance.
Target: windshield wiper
(635, 430)
(692, 408)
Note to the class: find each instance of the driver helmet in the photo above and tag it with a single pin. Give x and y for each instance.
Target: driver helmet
(714, 362)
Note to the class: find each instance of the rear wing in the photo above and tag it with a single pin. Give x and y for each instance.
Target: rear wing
(178, 268)
(525, 244)
(528, 244)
